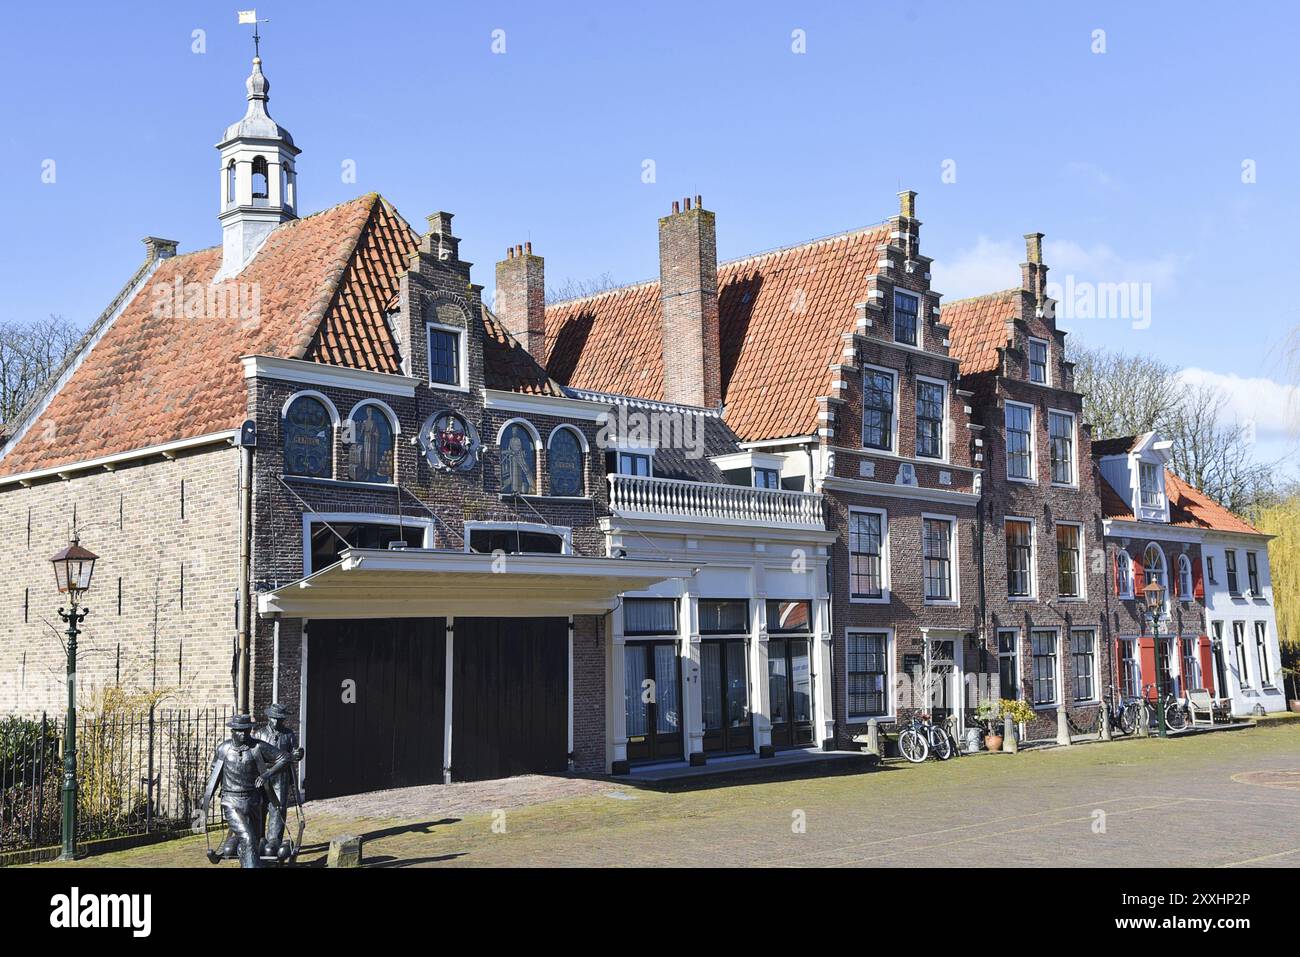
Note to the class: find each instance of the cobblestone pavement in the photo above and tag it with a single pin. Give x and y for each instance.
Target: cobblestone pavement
(1215, 800)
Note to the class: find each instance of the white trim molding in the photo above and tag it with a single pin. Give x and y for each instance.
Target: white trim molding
(319, 374)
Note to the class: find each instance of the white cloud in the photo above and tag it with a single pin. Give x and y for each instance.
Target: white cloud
(992, 265)
(988, 266)
(1272, 407)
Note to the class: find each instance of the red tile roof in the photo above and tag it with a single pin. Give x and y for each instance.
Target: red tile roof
(1189, 507)
(324, 285)
(979, 328)
(507, 365)
(781, 316)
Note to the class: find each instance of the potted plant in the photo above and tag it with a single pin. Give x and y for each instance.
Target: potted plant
(987, 716)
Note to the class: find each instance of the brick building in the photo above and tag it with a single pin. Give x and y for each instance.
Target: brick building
(1042, 581)
(747, 506)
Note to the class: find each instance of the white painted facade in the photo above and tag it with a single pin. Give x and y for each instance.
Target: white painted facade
(1254, 675)
(732, 561)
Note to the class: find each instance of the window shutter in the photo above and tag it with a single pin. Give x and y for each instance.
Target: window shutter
(1147, 653)
(1198, 581)
(1139, 578)
(1207, 665)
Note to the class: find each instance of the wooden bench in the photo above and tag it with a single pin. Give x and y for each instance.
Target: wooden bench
(1200, 706)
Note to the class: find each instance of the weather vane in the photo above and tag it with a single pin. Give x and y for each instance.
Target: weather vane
(250, 16)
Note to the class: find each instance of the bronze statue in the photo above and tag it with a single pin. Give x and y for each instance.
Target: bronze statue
(244, 767)
(284, 784)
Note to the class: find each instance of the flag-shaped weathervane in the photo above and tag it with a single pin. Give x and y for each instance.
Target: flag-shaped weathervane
(250, 16)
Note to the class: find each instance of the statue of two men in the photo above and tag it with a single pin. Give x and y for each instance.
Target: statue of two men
(248, 769)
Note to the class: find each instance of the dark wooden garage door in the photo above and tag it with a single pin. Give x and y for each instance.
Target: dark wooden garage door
(510, 697)
(392, 734)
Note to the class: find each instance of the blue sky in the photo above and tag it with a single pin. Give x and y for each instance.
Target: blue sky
(1130, 160)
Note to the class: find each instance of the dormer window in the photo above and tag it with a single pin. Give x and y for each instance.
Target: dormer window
(260, 187)
(1152, 485)
(767, 478)
(1038, 361)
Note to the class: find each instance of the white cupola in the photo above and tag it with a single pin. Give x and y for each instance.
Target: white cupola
(259, 186)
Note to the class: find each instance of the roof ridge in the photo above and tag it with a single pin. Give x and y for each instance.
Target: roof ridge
(760, 254)
(983, 295)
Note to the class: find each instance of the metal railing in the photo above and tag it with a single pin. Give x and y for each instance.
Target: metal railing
(635, 495)
(140, 773)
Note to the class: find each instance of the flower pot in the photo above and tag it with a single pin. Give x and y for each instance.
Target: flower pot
(993, 742)
(1294, 704)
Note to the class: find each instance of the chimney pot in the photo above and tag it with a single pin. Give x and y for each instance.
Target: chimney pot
(676, 207)
(687, 203)
(699, 203)
(528, 247)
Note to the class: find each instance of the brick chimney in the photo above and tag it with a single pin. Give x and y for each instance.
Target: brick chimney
(688, 280)
(521, 298)
(1033, 273)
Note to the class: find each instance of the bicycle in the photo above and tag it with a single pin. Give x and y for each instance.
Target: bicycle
(1175, 714)
(1122, 717)
(920, 737)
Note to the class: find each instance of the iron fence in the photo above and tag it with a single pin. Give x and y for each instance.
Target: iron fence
(136, 774)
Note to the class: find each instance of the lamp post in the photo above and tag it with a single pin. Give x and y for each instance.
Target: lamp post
(73, 567)
(1154, 593)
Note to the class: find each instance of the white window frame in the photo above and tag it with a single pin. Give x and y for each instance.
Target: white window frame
(1083, 567)
(1262, 657)
(920, 319)
(1033, 557)
(586, 464)
(1124, 568)
(893, 426)
(1096, 665)
(885, 591)
(954, 577)
(359, 518)
(563, 532)
(462, 344)
(1074, 448)
(1014, 655)
(1195, 659)
(1231, 573)
(1129, 643)
(1047, 361)
(1186, 580)
(537, 452)
(1159, 486)
(1056, 667)
(1253, 587)
(1033, 442)
(944, 430)
(1164, 567)
(1239, 657)
(891, 703)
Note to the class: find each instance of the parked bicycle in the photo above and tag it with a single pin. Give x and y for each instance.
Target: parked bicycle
(921, 737)
(1175, 713)
(1122, 713)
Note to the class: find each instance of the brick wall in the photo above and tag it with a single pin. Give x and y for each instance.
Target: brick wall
(174, 626)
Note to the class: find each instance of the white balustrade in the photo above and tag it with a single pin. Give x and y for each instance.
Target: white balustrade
(639, 495)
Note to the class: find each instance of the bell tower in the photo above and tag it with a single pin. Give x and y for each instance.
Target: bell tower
(259, 180)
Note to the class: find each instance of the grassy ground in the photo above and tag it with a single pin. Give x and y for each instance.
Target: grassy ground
(1211, 800)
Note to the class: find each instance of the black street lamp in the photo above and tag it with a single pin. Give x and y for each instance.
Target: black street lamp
(1154, 593)
(73, 567)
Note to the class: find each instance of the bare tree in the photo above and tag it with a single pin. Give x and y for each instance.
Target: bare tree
(30, 352)
(1132, 394)
(1124, 394)
(572, 288)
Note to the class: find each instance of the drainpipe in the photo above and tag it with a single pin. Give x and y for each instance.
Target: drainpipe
(247, 438)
